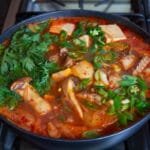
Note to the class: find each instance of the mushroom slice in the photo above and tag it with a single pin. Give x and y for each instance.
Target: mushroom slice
(58, 76)
(83, 69)
(69, 62)
(30, 95)
(142, 65)
(68, 89)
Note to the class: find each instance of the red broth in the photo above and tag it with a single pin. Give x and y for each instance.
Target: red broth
(73, 108)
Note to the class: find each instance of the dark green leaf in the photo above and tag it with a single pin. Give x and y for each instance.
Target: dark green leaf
(133, 100)
(83, 84)
(128, 80)
(8, 98)
(63, 35)
(142, 105)
(111, 110)
(28, 64)
(124, 117)
(102, 91)
(65, 44)
(2, 48)
(79, 30)
(97, 61)
(79, 42)
(90, 134)
(142, 84)
(111, 94)
(117, 102)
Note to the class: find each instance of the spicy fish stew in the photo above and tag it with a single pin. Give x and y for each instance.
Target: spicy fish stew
(74, 77)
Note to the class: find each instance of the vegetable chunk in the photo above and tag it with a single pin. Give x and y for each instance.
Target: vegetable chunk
(29, 94)
(113, 33)
(117, 46)
(58, 27)
(83, 70)
(58, 76)
(128, 61)
(68, 86)
(53, 131)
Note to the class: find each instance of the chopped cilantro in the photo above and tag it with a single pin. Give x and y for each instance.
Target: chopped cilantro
(25, 56)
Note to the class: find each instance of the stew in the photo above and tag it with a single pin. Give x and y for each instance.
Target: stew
(74, 77)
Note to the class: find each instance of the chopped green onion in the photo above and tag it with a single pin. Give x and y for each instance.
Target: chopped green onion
(90, 134)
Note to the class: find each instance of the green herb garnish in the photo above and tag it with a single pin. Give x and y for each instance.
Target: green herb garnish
(90, 134)
(83, 84)
(25, 56)
(127, 99)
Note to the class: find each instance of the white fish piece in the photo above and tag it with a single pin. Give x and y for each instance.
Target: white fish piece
(30, 95)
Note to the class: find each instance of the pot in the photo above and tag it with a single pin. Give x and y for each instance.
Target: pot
(103, 142)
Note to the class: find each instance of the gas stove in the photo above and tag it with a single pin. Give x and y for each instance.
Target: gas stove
(136, 11)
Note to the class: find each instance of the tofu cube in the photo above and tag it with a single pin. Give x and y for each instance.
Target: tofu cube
(113, 33)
